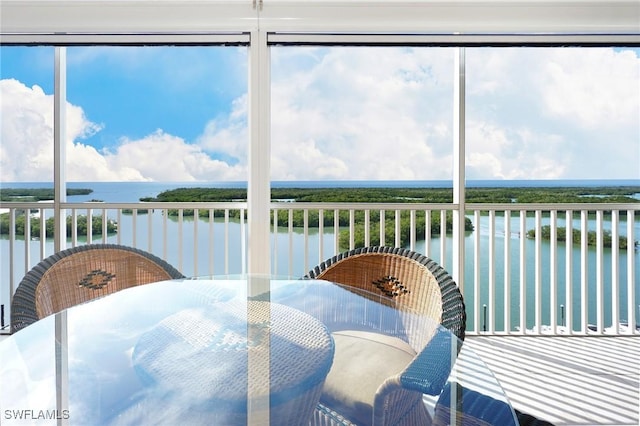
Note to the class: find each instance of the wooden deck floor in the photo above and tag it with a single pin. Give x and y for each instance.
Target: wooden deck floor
(567, 380)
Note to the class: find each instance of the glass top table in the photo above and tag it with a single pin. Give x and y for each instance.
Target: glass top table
(244, 350)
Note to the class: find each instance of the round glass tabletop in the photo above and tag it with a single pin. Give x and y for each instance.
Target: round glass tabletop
(245, 350)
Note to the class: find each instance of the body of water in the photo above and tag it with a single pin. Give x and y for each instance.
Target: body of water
(289, 252)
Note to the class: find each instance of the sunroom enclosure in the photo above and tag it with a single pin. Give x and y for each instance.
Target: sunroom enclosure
(505, 291)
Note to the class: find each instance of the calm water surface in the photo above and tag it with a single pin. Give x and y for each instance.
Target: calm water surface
(210, 259)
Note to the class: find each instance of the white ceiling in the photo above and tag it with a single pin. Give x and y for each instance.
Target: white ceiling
(440, 17)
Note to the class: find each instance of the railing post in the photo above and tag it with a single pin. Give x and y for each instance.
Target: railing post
(537, 278)
(584, 271)
(507, 271)
(553, 270)
(523, 271)
(492, 270)
(631, 293)
(484, 317)
(476, 269)
(569, 269)
(600, 273)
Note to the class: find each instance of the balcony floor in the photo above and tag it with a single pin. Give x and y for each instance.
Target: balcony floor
(575, 380)
(567, 380)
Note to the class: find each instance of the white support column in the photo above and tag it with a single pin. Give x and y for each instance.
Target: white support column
(61, 343)
(258, 209)
(457, 268)
(59, 147)
(259, 188)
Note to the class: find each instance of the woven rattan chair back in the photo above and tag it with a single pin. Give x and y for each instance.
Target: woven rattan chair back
(80, 274)
(409, 278)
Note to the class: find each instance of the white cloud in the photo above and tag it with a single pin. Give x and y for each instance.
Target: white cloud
(592, 88)
(374, 113)
(570, 113)
(163, 157)
(227, 135)
(86, 164)
(26, 147)
(518, 153)
(348, 114)
(27, 138)
(386, 113)
(26, 132)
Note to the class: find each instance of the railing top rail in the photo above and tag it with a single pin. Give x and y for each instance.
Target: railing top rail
(451, 206)
(363, 206)
(553, 206)
(26, 204)
(233, 205)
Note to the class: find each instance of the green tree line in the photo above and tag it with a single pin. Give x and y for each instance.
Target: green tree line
(411, 195)
(553, 195)
(36, 225)
(561, 236)
(36, 194)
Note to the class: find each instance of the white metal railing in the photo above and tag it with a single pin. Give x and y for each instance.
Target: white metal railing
(213, 244)
(512, 283)
(566, 285)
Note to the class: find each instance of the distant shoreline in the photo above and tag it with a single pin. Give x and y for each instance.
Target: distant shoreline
(136, 191)
(471, 183)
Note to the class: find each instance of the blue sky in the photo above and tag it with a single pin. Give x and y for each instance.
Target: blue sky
(179, 113)
(33, 65)
(141, 90)
(130, 90)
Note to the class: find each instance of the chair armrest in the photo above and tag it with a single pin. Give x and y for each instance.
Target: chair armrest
(430, 369)
(399, 398)
(472, 407)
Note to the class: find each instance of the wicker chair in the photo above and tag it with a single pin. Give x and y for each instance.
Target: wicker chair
(80, 274)
(420, 364)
